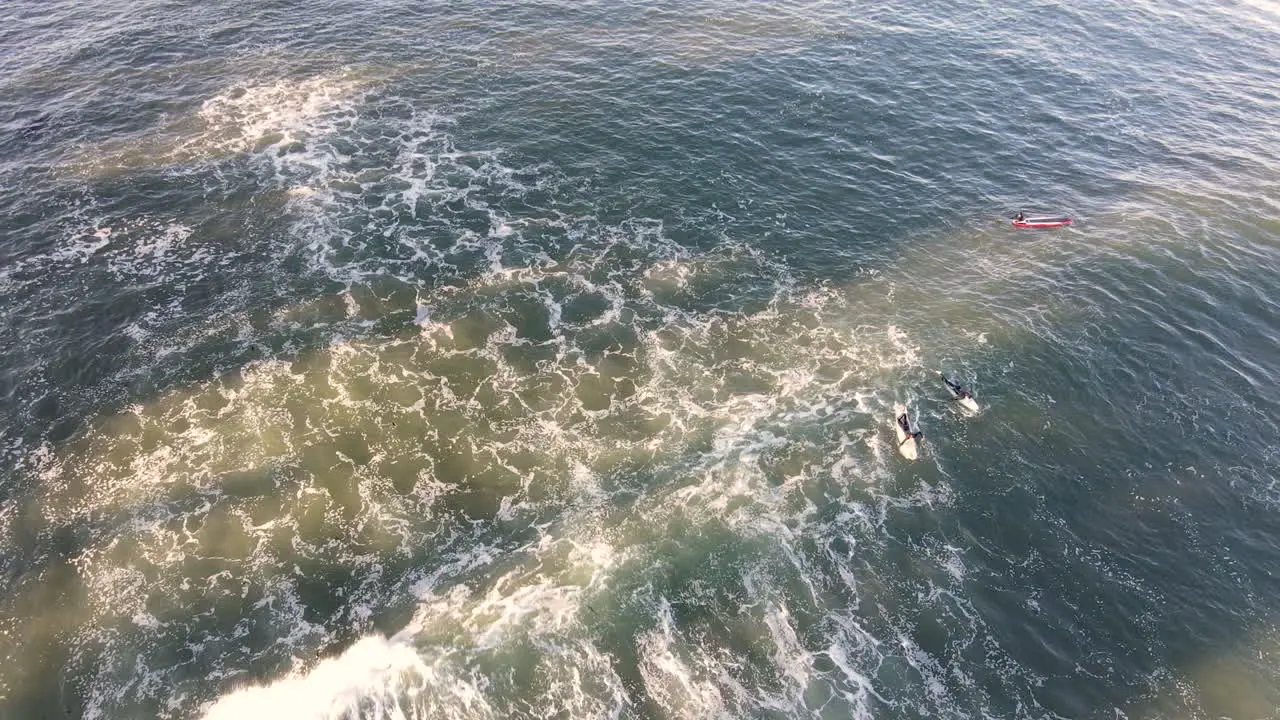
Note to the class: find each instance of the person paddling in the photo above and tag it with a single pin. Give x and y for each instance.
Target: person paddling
(905, 424)
(958, 392)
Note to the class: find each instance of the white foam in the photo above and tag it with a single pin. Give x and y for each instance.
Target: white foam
(276, 113)
(544, 599)
(678, 684)
(80, 250)
(743, 430)
(792, 660)
(953, 563)
(858, 699)
(374, 678)
(930, 670)
(256, 115)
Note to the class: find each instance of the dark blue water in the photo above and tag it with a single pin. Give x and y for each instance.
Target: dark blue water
(488, 360)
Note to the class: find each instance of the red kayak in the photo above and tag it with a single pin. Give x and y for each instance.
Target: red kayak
(1042, 222)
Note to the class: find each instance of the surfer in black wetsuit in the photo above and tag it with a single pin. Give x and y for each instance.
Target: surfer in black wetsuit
(1019, 217)
(35, 128)
(960, 392)
(906, 428)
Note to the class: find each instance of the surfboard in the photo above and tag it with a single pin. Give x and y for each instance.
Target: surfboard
(907, 445)
(968, 403)
(1042, 222)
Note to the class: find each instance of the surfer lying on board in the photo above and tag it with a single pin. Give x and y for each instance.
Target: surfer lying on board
(906, 428)
(958, 392)
(1020, 216)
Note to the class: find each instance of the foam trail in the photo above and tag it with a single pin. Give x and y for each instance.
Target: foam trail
(253, 117)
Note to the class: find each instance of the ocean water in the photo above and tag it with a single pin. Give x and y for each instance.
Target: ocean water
(538, 360)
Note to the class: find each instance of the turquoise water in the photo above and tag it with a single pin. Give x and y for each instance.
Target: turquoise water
(488, 360)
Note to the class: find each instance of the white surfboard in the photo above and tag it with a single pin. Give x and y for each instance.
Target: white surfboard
(907, 445)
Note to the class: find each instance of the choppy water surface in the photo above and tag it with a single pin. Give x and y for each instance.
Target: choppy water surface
(479, 360)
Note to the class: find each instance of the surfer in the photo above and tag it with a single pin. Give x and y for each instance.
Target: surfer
(957, 391)
(1022, 221)
(35, 128)
(959, 395)
(905, 424)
